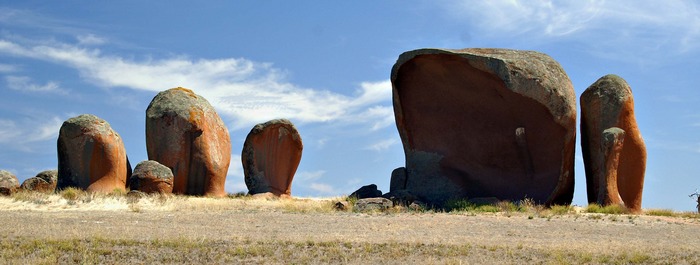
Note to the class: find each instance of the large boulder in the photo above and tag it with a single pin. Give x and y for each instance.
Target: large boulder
(45, 181)
(151, 177)
(368, 191)
(184, 133)
(8, 183)
(485, 123)
(270, 157)
(91, 155)
(614, 153)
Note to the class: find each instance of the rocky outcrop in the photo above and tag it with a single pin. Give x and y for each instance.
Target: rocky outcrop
(151, 177)
(614, 153)
(45, 181)
(372, 204)
(91, 155)
(368, 191)
(184, 133)
(270, 157)
(485, 123)
(8, 183)
(398, 179)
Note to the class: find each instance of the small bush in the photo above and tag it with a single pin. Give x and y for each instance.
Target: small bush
(660, 212)
(72, 194)
(609, 209)
(561, 209)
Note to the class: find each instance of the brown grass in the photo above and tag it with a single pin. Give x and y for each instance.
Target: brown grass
(78, 227)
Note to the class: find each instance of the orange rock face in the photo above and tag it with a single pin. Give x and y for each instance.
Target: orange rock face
(91, 155)
(152, 177)
(45, 181)
(184, 133)
(8, 183)
(613, 149)
(485, 123)
(271, 155)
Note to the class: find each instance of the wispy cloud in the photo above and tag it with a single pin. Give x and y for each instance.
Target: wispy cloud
(25, 84)
(322, 188)
(21, 134)
(382, 145)
(673, 25)
(7, 68)
(310, 175)
(90, 39)
(247, 91)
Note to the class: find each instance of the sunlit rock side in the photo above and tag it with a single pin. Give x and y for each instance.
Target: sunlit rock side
(184, 133)
(485, 123)
(91, 156)
(614, 153)
(271, 154)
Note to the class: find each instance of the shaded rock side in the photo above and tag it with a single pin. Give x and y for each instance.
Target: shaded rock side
(91, 155)
(151, 177)
(45, 181)
(184, 133)
(271, 154)
(485, 123)
(367, 191)
(8, 183)
(608, 103)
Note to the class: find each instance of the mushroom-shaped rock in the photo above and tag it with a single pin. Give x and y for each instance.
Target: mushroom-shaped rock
(8, 183)
(91, 155)
(184, 133)
(151, 177)
(270, 157)
(485, 123)
(45, 181)
(614, 153)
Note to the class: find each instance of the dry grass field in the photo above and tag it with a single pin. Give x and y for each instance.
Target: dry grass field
(76, 227)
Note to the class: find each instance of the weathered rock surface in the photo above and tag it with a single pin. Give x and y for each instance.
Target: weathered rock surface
(151, 177)
(372, 204)
(271, 154)
(184, 133)
(367, 191)
(614, 153)
(91, 155)
(400, 197)
(485, 123)
(8, 183)
(45, 181)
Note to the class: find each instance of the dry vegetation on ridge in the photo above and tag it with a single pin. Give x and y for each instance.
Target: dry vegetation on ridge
(78, 227)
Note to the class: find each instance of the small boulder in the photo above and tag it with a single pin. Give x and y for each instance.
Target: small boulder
(400, 197)
(152, 177)
(398, 179)
(369, 191)
(45, 182)
(271, 154)
(372, 204)
(8, 183)
(341, 206)
(91, 155)
(184, 133)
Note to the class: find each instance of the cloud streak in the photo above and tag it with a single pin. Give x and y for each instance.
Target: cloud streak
(247, 91)
(674, 25)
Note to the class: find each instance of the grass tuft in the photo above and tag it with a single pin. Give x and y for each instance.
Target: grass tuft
(609, 209)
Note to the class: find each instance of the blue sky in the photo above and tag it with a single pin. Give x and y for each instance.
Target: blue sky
(325, 66)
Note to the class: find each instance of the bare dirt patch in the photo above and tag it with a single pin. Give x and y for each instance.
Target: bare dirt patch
(194, 230)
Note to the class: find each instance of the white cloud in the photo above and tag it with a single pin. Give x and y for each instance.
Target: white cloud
(382, 145)
(310, 175)
(672, 25)
(7, 68)
(322, 188)
(245, 90)
(25, 84)
(21, 134)
(90, 39)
